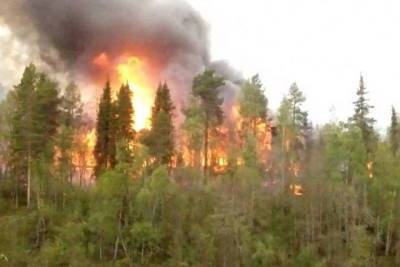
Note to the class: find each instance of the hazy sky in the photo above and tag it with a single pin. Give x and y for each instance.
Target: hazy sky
(323, 45)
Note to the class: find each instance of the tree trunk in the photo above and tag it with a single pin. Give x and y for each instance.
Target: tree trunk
(283, 158)
(389, 234)
(28, 187)
(255, 127)
(116, 246)
(206, 149)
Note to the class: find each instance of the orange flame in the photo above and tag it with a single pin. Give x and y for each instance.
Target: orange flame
(370, 169)
(131, 70)
(134, 70)
(296, 189)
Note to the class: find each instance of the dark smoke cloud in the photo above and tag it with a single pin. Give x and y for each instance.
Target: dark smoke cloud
(233, 80)
(79, 29)
(70, 33)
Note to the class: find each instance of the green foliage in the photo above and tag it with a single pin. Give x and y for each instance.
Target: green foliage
(104, 151)
(193, 126)
(361, 117)
(394, 132)
(206, 87)
(160, 139)
(252, 102)
(346, 213)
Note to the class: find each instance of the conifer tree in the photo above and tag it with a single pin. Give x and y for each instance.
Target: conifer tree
(253, 103)
(194, 129)
(21, 129)
(296, 99)
(206, 87)
(394, 132)
(45, 117)
(160, 139)
(104, 151)
(361, 117)
(34, 123)
(124, 115)
(70, 122)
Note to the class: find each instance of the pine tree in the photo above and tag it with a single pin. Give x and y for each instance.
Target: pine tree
(294, 131)
(104, 151)
(194, 129)
(298, 126)
(71, 106)
(160, 139)
(253, 103)
(361, 117)
(21, 130)
(206, 87)
(70, 123)
(45, 117)
(296, 100)
(394, 132)
(34, 125)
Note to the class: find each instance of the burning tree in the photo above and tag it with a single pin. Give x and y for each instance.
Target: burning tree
(253, 110)
(206, 88)
(160, 138)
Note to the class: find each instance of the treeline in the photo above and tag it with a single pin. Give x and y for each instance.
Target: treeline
(287, 195)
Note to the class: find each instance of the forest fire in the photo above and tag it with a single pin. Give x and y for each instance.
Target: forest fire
(296, 189)
(133, 70)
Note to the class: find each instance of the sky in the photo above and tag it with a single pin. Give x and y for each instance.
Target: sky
(322, 45)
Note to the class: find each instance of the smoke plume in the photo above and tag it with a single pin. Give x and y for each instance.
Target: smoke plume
(69, 34)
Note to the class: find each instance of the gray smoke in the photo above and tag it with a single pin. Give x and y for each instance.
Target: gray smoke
(70, 33)
(80, 29)
(2, 92)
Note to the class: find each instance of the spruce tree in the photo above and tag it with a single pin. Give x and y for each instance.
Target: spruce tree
(206, 87)
(124, 114)
(160, 139)
(394, 132)
(361, 117)
(104, 151)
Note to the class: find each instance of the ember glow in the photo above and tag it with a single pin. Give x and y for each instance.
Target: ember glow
(296, 189)
(370, 169)
(133, 70)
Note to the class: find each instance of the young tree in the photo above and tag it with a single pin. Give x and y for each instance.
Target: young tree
(253, 103)
(104, 151)
(394, 132)
(206, 87)
(361, 117)
(299, 117)
(194, 129)
(160, 139)
(294, 130)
